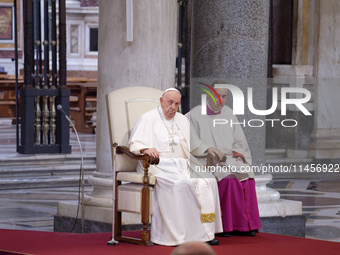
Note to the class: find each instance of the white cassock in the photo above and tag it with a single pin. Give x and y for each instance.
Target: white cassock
(227, 137)
(186, 208)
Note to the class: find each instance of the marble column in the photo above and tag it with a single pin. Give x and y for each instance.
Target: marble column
(325, 145)
(230, 43)
(148, 60)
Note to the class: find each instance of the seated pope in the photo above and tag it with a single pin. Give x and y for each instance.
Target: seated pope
(186, 204)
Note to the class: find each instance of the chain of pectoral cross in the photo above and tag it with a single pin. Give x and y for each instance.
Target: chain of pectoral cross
(172, 143)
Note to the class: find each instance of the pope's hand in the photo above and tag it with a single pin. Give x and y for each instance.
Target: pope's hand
(150, 151)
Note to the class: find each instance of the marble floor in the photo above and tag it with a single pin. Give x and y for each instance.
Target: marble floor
(33, 209)
(320, 204)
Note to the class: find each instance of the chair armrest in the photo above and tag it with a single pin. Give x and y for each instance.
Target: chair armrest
(125, 150)
(147, 160)
(134, 177)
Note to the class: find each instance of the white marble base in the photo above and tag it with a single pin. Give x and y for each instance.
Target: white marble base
(101, 195)
(93, 213)
(281, 208)
(269, 202)
(264, 194)
(100, 214)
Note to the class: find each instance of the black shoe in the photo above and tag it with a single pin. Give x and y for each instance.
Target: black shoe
(213, 242)
(243, 233)
(224, 234)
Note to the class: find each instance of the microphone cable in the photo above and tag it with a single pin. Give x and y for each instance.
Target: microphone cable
(81, 174)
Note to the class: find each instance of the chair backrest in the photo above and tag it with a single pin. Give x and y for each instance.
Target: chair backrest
(124, 107)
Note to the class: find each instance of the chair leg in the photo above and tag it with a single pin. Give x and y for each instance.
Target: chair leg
(146, 236)
(118, 224)
(118, 214)
(145, 216)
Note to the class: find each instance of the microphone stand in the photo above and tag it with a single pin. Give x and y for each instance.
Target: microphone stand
(60, 108)
(113, 241)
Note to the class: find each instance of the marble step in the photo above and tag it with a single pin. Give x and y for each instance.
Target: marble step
(46, 159)
(44, 170)
(45, 165)
(281, 163)
(43, 176)
(288, 161)
(42, 182)
(275, 153)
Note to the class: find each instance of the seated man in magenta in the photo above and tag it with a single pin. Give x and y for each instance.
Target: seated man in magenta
(240, 215)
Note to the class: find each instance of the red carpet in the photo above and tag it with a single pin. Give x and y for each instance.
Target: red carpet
(35, 242)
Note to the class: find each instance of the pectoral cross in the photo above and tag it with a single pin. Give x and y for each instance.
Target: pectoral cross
(172, 144)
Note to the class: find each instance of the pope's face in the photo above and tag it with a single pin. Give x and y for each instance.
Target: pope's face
(170, 103)
(223, 93)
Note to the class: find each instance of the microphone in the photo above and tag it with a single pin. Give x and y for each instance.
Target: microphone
(60, 108)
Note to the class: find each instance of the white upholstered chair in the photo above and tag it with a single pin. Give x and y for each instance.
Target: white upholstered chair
(133, 191)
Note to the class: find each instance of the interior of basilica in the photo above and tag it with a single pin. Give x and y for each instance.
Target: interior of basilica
(286, 52)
